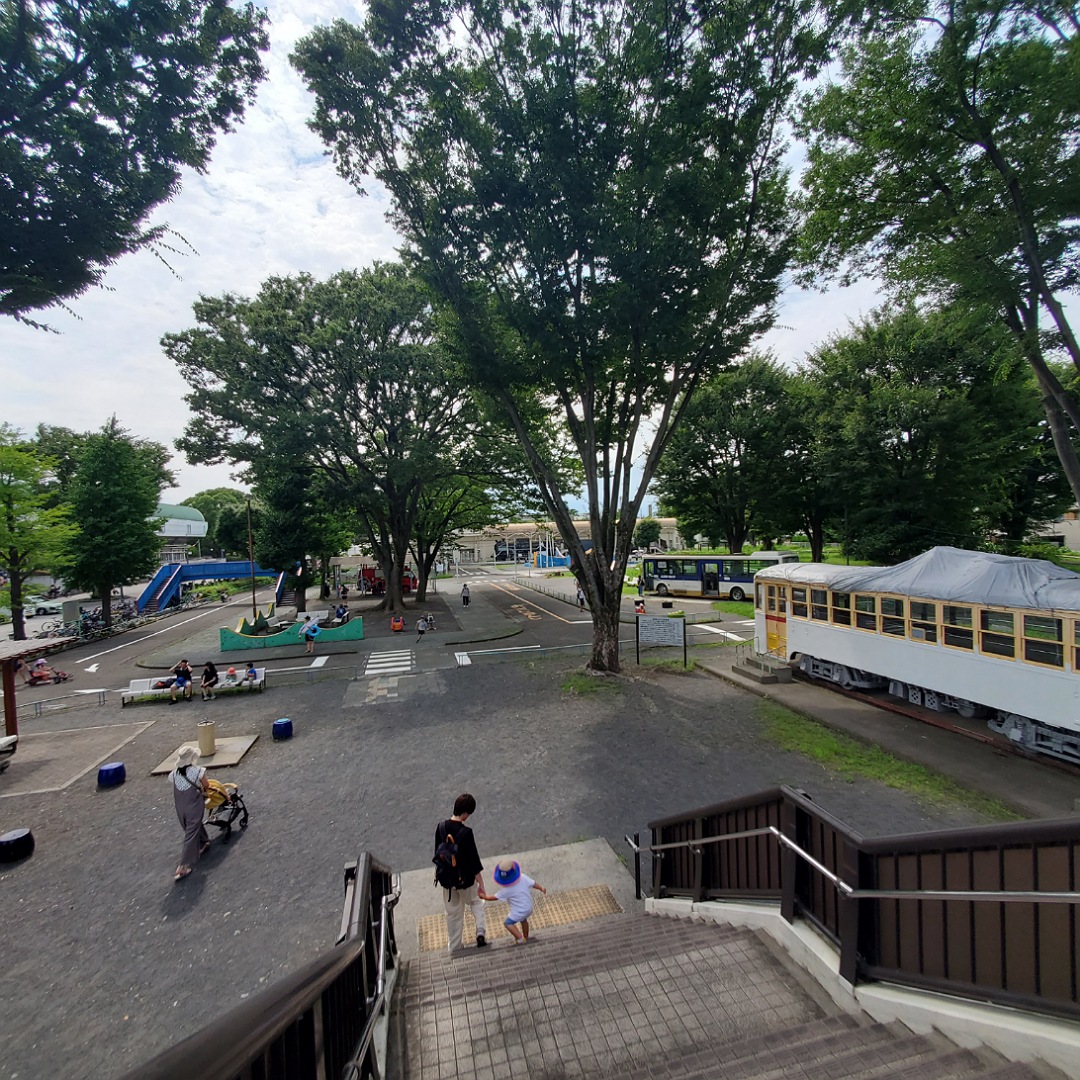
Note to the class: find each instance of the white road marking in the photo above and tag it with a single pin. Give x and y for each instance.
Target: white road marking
(717, 630)
(319, 661)
(92, 668)
(389, 663)
(147, 637)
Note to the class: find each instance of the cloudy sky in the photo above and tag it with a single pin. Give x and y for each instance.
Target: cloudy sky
(270, 203)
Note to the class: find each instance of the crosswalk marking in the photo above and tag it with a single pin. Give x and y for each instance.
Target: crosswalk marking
(397, 662)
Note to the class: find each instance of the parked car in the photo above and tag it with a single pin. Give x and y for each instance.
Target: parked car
(46, 607)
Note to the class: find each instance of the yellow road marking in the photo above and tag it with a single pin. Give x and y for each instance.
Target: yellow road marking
(513, 592)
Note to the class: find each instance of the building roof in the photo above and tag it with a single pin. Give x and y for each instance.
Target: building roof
(952, 575)
(185, 513)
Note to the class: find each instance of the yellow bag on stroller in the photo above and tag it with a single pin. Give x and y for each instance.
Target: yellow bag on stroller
(224, 805)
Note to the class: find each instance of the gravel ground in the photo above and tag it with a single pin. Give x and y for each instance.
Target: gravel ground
(107, 960)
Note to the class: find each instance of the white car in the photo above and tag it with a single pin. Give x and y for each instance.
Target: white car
(46, 607)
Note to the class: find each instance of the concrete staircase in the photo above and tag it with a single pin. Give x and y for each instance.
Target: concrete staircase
(643, 996)
(764, 669)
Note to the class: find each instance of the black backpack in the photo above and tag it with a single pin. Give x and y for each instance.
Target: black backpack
(446, 867)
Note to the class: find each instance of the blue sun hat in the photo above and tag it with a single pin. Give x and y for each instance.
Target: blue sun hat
(507, 872)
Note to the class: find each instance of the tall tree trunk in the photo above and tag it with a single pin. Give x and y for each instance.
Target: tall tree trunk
(18, 614)
(605, 616)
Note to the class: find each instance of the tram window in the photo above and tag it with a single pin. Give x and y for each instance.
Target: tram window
(758, 592)
(956, 629)
(771, 590)
(1076, 645)
(798, 601)
(841, 608)
(892, 616)
(996, 638)
(923, 621)
(1042, 640)
(866, 612)
(819, 606)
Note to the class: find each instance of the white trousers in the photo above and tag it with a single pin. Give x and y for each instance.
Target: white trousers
(455, 914)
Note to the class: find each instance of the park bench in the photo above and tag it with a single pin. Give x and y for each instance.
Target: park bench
(144, 688)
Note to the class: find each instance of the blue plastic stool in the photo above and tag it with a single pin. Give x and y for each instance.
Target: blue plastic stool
(282, 729)
(111, 775)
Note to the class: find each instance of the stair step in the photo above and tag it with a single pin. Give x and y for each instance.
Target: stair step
(653, 998)
(765, 678)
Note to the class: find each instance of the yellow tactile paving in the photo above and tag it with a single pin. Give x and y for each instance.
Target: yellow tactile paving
(554, 909)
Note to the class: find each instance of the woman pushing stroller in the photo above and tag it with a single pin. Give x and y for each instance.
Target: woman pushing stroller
(189, 794)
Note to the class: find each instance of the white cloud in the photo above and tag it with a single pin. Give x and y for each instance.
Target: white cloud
(270, 203)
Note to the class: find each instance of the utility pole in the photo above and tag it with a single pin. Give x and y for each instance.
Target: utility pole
(251, 563)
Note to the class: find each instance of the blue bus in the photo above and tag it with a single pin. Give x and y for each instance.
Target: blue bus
(710, 575)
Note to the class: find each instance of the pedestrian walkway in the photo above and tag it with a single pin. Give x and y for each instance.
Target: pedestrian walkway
(397, 662)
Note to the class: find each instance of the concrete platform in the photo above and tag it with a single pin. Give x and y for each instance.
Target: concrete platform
(554, 909)
(53, 760)
(562, 869)
(230, 749)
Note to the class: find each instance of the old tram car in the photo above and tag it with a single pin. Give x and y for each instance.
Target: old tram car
(987, 635)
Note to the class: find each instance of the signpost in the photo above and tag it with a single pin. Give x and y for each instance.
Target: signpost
(661, 630)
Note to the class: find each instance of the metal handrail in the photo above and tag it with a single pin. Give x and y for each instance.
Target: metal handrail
(354, 1066)
(1005, 896)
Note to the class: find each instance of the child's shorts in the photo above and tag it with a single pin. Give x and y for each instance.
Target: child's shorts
(511, 921)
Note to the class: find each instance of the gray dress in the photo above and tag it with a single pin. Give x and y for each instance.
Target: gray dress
(188, 796)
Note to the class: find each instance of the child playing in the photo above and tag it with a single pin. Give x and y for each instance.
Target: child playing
(250, 674)
(516, 891)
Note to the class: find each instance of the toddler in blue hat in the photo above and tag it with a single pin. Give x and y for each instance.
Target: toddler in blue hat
(517, 892)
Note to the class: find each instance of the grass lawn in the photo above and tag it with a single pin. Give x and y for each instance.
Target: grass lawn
(745, 608)
(852, 760)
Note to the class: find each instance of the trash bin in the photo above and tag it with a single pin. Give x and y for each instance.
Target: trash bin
(207, 738)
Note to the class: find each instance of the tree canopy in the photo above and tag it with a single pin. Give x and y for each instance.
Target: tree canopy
(596, 193)
(944, 159)
(114, 498)
(102, 104)
(347, 376)
(33, 534)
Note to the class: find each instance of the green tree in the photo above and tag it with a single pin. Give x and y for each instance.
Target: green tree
(726, 453)
(945, 161)
(595, 191)
(647, 533)
(351, 376)
(33, 535)
(211, 504)
(114, 498)
(102, 105)
(918, 430)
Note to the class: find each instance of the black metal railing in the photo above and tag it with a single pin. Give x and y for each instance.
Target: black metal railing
(317, 1022)
(990, 912)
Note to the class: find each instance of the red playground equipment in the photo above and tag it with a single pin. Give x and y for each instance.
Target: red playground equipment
(397, 623)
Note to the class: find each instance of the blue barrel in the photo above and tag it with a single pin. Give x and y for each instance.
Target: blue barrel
(16, 845)
(111, 775)
(282, 729)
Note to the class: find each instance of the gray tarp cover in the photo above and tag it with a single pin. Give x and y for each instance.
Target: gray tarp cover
(951, 574)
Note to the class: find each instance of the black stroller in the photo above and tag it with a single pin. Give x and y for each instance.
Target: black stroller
(224, 804)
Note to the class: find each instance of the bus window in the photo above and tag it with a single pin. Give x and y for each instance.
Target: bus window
(841, 608)
(923, 621)
(798, 601)
(866, 612)
(1042, 640)
(956, 628)
(892, 616)
(996, 637)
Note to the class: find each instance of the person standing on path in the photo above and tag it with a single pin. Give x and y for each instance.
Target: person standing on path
(470, 872)
(421, 627)
(465, 595)
(309, 632)
(580, 598)
(516, 890)
(189, 792)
